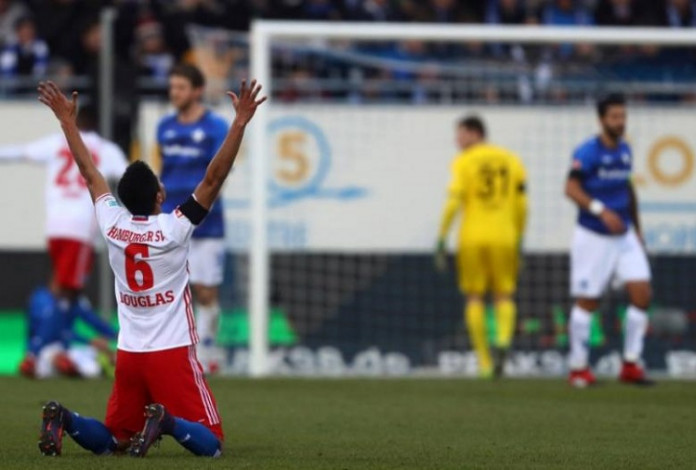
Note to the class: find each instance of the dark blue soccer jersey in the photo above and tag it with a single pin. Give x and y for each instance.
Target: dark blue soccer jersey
(606, 176)
(186, 150)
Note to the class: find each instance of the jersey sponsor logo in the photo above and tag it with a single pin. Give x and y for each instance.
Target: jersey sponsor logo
(198, 135)
(147, 301)
(615, 174)
(177, 150)
(128, 236)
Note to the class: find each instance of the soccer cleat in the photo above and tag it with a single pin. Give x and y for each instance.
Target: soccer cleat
(632, 373)
(155, 417)
(499, 358)
(582, 378)
(51, 437)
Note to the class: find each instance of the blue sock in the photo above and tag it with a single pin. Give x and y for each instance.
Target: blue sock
(196, 438)
(90, 434)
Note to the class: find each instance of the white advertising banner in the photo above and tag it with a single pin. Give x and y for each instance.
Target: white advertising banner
(373, 178)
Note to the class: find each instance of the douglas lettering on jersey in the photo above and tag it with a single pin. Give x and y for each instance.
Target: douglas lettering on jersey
(147, 301)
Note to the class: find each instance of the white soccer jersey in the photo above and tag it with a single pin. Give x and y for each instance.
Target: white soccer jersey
(69, 210)
(148, 257)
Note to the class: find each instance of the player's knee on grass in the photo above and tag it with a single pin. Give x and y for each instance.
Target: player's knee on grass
(639, 294)
(590, 305)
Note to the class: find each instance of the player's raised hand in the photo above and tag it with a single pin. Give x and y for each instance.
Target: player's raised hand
(65, 109)
(246, 102)
(612, 221)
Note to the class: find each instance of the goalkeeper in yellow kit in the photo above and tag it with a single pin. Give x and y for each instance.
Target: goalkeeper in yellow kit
(488, 188)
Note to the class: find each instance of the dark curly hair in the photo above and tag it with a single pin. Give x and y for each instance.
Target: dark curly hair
(138, 189)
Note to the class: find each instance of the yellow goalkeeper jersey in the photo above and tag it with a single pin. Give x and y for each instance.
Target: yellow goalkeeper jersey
(490, 183)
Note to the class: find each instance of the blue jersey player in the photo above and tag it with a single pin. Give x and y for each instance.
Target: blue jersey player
(607, 242)
(51, 335)
(187, 141)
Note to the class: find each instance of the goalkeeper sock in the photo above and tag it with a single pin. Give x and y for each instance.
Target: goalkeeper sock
(579, 332)
(476, 323)
(636, 327)
(207, 323)
(196, 438)
(505, 315)
(89, 433)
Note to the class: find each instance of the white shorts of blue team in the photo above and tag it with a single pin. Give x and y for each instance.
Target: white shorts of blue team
(84, 358)
(207, 261)
(596, 259)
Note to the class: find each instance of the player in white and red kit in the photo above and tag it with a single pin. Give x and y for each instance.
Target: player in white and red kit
(156, 365)
(70, 231)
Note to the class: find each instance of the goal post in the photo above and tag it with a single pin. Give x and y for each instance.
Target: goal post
(264, 34)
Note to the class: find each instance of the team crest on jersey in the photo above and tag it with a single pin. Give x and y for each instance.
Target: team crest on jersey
(626, 157)
(198, 135)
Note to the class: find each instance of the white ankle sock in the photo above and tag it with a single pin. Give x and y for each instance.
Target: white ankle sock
(636, 327)
(207, 323)
(579, 331)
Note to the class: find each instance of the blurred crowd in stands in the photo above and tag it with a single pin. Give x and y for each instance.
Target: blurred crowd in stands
(62, 38)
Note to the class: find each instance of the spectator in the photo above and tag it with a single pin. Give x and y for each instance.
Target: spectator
(27, 55)
(10, 12)
(566, 13)
(449, 11)
(620, 13)
(508, 12)
(320, 10)
(679, 14)
(58, 22)
(152, 55)
(378, 10)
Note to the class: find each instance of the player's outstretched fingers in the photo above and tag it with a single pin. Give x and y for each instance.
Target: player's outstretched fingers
(242, 88)
(256, 91)
(233, 97)
(74, 98)
(258, 102)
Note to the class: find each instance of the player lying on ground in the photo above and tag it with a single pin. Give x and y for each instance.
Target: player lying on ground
(51, 345)
(488, 187)
(156, 368)
(607, 242)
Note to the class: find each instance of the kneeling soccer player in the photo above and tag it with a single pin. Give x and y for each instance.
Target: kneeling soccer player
(156, 368)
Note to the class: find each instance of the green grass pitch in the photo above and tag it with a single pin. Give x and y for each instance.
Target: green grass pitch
(391, 424)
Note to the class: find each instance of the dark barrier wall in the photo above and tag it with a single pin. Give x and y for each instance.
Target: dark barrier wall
(400, 303)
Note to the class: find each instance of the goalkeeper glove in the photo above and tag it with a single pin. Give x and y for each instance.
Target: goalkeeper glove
(441, 255)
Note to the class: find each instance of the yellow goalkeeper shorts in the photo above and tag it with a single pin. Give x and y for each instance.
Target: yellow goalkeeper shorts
(488, 268)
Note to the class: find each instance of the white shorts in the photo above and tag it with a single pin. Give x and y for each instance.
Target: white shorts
(207, 261)
(594, 258)
(84, 358)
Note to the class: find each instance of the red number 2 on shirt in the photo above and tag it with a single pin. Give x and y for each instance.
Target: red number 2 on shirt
(134, 266)
(63, 177)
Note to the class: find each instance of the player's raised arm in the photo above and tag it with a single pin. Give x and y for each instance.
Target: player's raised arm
(66, 111)
(245, 106)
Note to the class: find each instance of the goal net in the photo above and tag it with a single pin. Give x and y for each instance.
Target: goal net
(333, 211)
